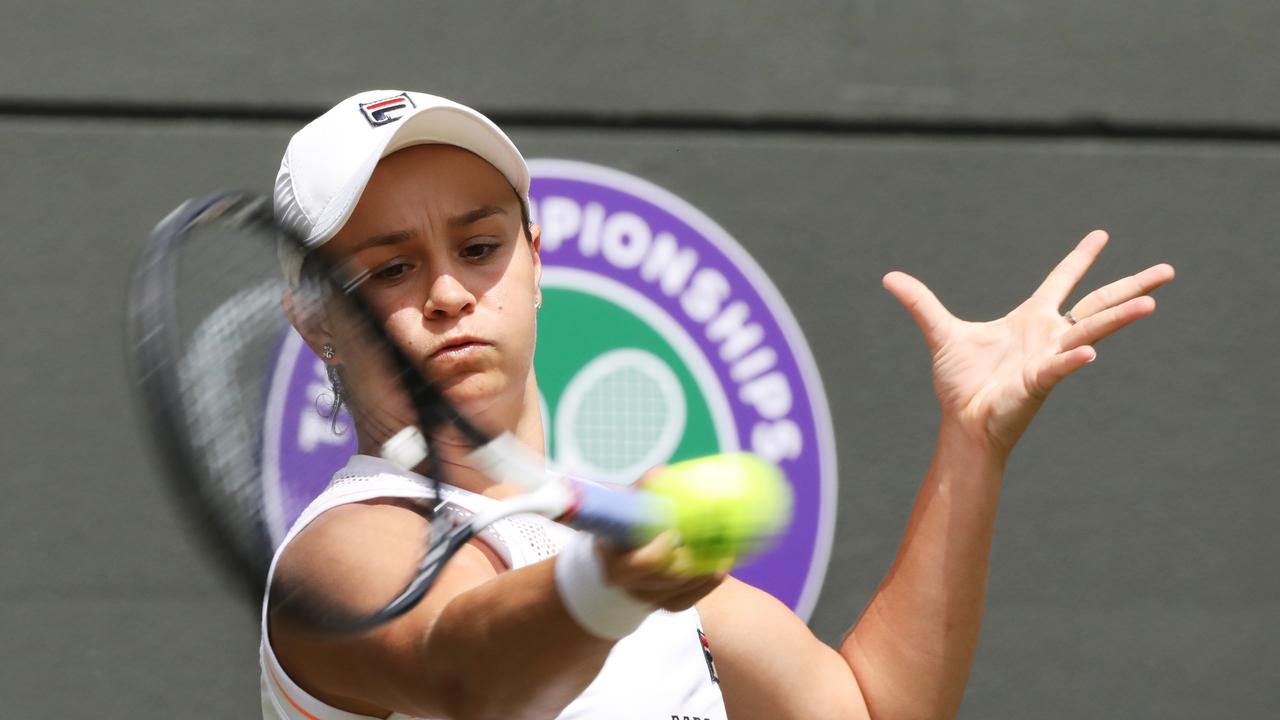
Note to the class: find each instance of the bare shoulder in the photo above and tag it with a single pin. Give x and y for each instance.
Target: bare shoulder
(372, 542)
(770, 664)
(355, 557)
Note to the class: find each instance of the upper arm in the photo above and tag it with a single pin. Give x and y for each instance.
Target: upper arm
(356, 556)
(770, 664)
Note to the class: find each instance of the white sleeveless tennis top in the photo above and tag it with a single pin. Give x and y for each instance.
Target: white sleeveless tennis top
(660, 671)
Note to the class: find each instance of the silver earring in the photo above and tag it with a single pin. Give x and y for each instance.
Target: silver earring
(537, 305)
(327, 351)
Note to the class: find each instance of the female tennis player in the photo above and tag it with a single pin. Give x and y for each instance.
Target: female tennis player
(534, 620)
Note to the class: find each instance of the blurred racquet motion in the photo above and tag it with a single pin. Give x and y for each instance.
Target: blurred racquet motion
(207, 314)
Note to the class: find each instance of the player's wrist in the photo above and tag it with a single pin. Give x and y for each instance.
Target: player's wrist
(603, 610)
(965, 440)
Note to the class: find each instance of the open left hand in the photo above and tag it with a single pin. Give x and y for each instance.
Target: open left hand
(992, 377)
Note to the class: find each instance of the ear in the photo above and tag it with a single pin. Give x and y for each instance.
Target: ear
(535, 244)
(308, 319)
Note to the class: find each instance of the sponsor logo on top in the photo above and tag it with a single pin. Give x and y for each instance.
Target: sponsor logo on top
(386, 110)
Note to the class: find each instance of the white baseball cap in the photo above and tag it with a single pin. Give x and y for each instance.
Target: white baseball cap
(329, 161)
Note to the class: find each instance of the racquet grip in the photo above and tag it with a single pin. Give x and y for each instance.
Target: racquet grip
(628, 519)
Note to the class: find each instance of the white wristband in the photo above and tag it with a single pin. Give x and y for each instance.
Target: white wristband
(601, 609)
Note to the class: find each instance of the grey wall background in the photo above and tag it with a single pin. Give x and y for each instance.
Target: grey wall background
(970, 143)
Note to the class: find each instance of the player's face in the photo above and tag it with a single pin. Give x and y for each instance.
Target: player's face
(453, 276)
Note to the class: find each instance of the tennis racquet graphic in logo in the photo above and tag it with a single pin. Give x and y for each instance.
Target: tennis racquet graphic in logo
(659, 340)
(621, 414)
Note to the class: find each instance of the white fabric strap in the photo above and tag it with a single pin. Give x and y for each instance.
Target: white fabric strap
(602, 610)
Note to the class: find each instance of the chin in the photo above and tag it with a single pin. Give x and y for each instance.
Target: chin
(479, 396)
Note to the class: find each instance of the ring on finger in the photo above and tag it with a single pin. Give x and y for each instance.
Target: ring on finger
(1069, 318)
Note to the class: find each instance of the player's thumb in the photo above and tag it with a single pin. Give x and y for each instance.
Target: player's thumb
(920, 302)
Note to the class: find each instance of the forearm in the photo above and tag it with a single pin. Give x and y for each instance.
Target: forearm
(509, 649)
(912, 649)
(483, 643)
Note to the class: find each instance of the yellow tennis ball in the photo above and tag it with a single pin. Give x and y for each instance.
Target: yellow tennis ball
(723, 508)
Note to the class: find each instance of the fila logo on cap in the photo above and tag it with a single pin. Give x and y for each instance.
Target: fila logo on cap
(387, 110)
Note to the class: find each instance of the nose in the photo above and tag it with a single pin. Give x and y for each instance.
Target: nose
(448, 298)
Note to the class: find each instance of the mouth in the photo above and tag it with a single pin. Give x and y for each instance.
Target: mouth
(458, 347)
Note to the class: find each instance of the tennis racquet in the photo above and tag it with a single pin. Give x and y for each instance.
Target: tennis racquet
(207, 313)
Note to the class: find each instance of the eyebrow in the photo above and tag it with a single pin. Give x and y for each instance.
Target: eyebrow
(391, 238)
(476, 215)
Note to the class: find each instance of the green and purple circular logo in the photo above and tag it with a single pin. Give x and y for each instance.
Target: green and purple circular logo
(659, 340)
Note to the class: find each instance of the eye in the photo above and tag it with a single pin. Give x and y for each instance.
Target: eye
(479, 250)
(392, 272)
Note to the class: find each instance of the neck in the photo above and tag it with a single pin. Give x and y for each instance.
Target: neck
(523, 420)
